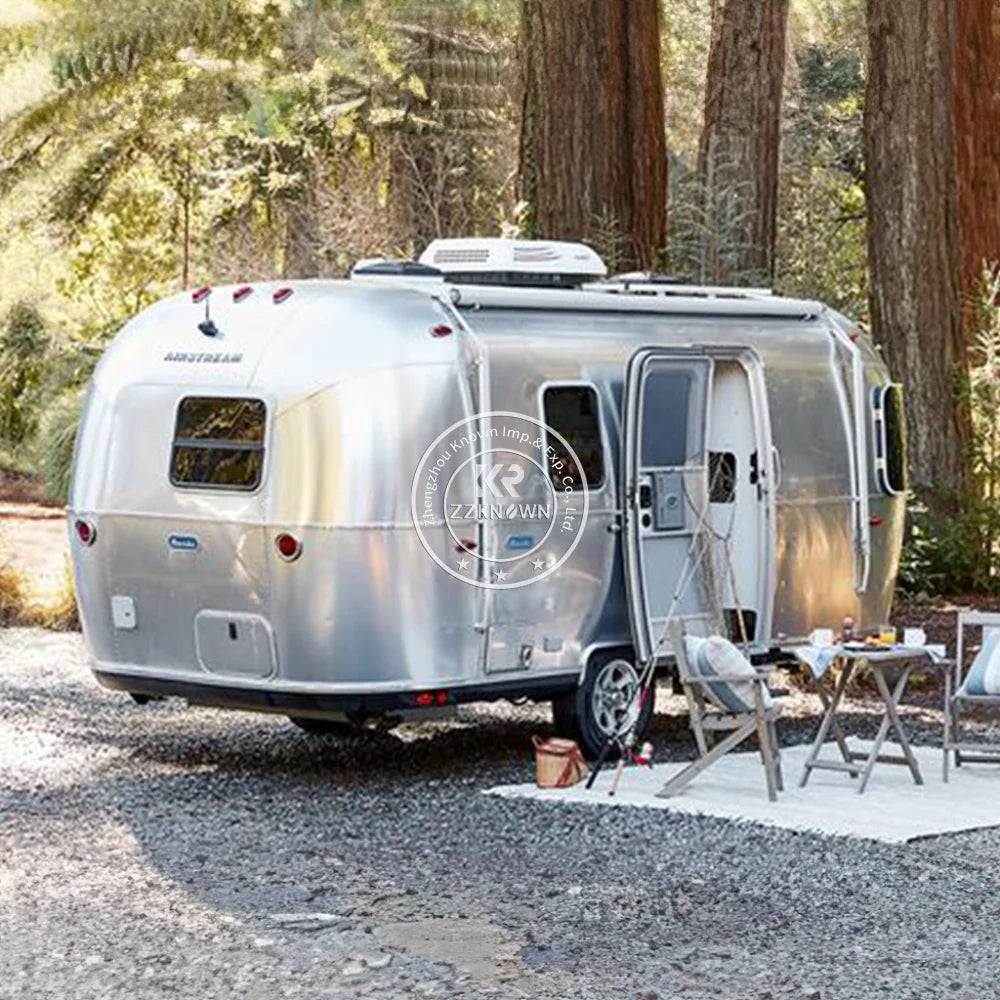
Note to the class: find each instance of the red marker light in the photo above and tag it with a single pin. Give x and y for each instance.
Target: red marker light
(244, 292)
(289, 547)
(442, 698)
(876, 521)
(425, 699)
(465, 545)
(441, 330)
(282, 295)
(86, 532)
(201, 294)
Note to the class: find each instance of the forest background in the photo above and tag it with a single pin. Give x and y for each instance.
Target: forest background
(841, 150)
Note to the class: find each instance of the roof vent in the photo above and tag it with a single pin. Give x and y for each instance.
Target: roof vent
(520, 263)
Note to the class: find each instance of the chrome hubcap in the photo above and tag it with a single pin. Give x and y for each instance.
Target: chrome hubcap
(615, 699)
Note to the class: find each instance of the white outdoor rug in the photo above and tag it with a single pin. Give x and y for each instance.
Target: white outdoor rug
(893, 809)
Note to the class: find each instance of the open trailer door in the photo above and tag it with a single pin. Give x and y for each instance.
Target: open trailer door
(665, 474)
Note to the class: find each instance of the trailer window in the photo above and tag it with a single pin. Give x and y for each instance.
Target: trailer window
(219, 443)
(890, 439)
(572, 411)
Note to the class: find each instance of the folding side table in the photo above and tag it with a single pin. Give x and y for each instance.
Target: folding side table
(854, 762)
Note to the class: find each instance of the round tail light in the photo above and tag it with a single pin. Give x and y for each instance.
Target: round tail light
(86, 532)
(289, 547)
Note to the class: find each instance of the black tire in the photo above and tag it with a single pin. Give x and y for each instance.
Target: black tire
(324, 727)
(576, 714)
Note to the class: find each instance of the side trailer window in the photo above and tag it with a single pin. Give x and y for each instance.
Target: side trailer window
(219, 443)
(890, 439)
(572, 411)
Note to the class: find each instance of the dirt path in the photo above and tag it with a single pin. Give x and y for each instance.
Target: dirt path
(33, 540)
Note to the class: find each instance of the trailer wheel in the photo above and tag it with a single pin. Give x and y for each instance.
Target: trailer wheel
(604, 705)
(324, 727)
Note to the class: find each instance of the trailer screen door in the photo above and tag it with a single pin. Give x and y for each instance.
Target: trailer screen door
(666, 490)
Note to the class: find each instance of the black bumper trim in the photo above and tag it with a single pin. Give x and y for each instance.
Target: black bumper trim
(290, 702)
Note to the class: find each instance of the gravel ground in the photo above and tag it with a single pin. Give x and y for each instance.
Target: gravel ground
(172, 852)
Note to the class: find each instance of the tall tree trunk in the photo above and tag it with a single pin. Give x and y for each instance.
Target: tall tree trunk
(739, 151)
(593, 161)
(977, 129)
(932, 134)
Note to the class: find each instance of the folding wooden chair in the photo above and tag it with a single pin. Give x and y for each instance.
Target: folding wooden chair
(721, 703)
(977, 687)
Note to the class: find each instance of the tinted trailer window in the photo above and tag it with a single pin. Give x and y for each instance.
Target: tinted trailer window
(218, 443)
(572, 411)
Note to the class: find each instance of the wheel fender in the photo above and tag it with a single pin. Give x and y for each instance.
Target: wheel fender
(625, 649)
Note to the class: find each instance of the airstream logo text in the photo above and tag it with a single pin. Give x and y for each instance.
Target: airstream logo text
(203, 359)
(487, 477)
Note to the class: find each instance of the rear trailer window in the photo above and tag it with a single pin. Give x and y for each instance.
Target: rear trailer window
(890, 439)
(218, 443)
(572, 411)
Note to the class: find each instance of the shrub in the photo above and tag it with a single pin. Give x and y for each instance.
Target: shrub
(951, 553)
(13, 597)
(60, 614)
(24, 346)
(56, 438)
(18, 607)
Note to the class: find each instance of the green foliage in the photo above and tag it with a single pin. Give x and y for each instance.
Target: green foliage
(24, 343)
(944, 551)
(177, 142)
(56, 438)
(686, 34)
(822, 249)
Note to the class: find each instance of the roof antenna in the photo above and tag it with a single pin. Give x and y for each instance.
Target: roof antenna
(207, 325)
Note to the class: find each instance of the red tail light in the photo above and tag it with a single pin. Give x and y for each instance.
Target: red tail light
(289, 547)
(428, 699)
(441, 330)
(86, 532)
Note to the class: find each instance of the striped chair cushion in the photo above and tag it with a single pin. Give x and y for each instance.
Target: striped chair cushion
(714, 656)
(983, 678)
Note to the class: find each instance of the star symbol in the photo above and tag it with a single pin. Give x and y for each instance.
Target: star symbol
(501, 575)
(463, 563)
(538, 564)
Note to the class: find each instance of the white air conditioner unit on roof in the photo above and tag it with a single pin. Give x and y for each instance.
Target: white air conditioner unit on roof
(532, 263)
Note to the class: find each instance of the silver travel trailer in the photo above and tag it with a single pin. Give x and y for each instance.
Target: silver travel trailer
(492, 474)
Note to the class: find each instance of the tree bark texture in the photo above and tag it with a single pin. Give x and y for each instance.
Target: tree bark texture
(739, 152)
(593, 161)
(977, 129)
(933, 154)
